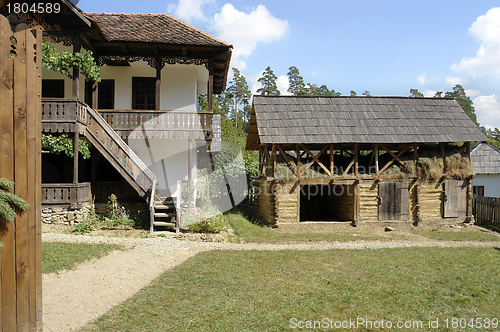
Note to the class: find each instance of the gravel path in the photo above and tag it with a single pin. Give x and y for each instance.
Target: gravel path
(71, 299)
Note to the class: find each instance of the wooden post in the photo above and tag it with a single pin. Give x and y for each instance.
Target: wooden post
(95, 95)
(332, 173)
(376, 160)
(444, 158)
(158, 83)
(210, 91)
(274, 160)
(298, 160)
(356, 157)
(415, 157)
(76, 144)
(76, 72)
(20, 148)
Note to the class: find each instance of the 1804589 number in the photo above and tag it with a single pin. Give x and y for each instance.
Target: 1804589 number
(34, 8)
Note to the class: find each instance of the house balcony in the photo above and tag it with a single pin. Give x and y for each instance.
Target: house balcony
(63, 115)
(71, 194)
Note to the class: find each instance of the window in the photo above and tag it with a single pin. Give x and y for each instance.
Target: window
(106, 94)
(53, 88)
(143, 93)
(478, 190)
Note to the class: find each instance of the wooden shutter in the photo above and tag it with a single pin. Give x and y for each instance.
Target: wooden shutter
(393, 200)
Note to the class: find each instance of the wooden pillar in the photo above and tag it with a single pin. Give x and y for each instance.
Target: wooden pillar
(76, 144)
(298, 160)
(158, 83)
(95, 96)
(275, 152)
(332, 173)
(444, 158)
(376, 160)
(356, 157)
(210, 91)
(76, 72)
(415, 156)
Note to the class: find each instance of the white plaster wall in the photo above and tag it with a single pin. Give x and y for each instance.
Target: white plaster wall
(167, 159)
(180, 84)
(491, 183)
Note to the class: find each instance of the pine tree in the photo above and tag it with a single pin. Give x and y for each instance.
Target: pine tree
(268, 81)
(239, 92)
(414, 93)
(464, 101)
(296, 84)
(9, 202)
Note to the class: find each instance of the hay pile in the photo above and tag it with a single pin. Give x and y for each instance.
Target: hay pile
(430, 165)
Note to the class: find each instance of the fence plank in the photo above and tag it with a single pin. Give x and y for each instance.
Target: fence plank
(487, 210)
(8, 271)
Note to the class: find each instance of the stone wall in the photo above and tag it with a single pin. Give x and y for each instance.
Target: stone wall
(64, 215)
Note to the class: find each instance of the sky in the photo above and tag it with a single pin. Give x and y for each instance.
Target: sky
(385, 47)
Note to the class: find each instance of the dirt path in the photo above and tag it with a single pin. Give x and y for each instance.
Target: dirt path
(72, 299)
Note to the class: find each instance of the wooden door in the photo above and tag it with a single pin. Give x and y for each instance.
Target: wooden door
(393, 200)
(455, 198)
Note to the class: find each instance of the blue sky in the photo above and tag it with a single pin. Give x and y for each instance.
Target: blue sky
(385, 47)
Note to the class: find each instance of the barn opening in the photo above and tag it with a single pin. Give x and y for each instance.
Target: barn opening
(326, 202)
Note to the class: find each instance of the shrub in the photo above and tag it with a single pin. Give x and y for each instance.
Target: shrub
(209, 225)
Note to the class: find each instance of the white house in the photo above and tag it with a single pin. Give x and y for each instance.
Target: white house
(486, 166)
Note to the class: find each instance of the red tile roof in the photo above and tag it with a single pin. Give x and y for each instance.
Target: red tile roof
(152, 28)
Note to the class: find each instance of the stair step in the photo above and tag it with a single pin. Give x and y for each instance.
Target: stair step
(165, 215)
(164, 206)
(162, 223)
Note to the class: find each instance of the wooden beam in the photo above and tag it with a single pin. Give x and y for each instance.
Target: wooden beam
(444, 158)
(76, 144)
(95, 95)
(376, 160)
(273, 154)
(415, 156)
(158, 83)
(395, 157)
(210, 92)
(315, 158)
(76, 71)
(287, 160)
(332, 173)
(356, 153)
(298, 160)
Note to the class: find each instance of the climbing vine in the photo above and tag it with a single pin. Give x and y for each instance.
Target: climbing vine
(63, 63)
(64, 144)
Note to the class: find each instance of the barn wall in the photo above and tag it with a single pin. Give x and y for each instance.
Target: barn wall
(345, 203)
(287, 198)
(368, 202)
(265, 200)
(430, 200)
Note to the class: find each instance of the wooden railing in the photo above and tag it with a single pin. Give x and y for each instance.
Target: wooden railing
(66, 193)
(62, 115)
(160, 124)
(487, 210)
(118, 153)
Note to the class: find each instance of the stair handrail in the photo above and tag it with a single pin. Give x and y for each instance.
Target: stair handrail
(122, 145)
(152, 200)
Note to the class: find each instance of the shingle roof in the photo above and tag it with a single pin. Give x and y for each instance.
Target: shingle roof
(310, 120)
(152, 28)
(485, 159)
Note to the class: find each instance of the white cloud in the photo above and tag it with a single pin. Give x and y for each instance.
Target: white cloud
(472, 93)
(422, 78)
(429, 93)
(485, 29)
(488, 110)
(455, 80)
(282, 83)
(189, 10)
(245, 31)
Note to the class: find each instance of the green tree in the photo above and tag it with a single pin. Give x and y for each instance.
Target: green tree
(353, 93)
(268, 82)
(239, 92)
(438, 94)
(464, 101)
(414, 93)
(296, 84)
(366, 93)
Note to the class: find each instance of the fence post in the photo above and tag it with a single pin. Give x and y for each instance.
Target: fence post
(20, 161)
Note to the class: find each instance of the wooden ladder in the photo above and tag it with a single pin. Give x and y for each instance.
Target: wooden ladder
(164, 214)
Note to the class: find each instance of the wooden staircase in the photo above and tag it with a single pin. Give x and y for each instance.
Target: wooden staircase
(163, 214)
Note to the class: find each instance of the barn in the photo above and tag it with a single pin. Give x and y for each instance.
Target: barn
(362, 159)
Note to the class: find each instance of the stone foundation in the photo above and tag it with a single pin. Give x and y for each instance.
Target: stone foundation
(65, 215)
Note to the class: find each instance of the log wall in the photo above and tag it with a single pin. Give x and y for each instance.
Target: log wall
(287, 203)
(430, 200)
(368, 201)
(345, 202)
(265, 200)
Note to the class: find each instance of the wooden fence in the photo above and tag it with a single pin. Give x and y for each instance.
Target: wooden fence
(20, 161)
(487, 210)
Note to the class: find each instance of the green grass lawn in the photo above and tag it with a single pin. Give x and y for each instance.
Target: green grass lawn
(264, 290)
(254, 232)
(58, 256)
(475, 235)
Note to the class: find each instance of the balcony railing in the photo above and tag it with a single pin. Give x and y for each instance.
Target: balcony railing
(65, 193)
(61, 115)
(160, 124)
